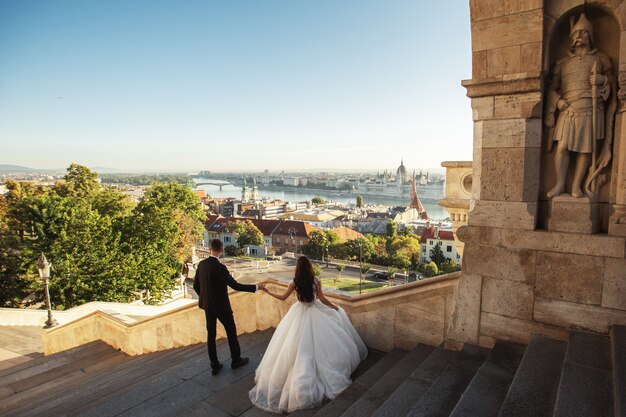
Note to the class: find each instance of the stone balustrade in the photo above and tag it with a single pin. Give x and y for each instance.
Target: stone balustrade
(392, 317)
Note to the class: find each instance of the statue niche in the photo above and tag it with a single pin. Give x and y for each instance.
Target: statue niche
(579, 120)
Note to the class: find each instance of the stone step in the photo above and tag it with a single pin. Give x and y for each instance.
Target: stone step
(376, 395)
(411, 390)
(485, 394)
(37, 389)
(618, 351)
(585, 387)
(444, 393)
(46, 363)
(533, 390)
(109, 381)
(157, 394)
(351, 394)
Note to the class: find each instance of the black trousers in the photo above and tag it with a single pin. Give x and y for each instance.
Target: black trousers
(228, 321)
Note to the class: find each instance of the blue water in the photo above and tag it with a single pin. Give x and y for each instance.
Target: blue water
(435, 211)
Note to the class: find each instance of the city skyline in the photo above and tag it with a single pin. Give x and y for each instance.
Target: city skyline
(152, 86)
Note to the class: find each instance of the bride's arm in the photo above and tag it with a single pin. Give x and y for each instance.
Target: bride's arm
(282, 296)
(322, 297)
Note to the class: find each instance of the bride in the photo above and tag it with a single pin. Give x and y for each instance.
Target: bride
(313, 351)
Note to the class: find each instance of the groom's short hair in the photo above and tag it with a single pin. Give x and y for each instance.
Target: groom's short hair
(216, 245)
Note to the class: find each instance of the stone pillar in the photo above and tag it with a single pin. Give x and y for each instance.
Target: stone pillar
(523, 275)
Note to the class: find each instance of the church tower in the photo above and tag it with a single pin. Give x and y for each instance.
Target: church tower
(244, 191)
(255, 190)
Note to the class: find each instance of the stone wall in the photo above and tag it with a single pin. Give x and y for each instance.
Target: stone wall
(520, 275)
(402, 316)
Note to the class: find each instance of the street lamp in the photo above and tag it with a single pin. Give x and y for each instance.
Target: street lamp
(44, 273)
(292, 232)
(360, 267)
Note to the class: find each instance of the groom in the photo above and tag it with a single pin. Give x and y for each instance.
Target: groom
(212, 279)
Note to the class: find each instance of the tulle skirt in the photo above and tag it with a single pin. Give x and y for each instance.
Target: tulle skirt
(312, 354)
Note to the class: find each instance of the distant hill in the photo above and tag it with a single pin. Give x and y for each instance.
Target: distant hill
(14, 169)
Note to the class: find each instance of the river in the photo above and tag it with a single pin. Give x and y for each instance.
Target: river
(435, 211)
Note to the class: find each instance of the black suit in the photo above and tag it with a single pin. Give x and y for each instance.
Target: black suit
(211, 284)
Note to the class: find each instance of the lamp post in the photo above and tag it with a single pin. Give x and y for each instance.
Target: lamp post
(292, 232)
(44, 273)
(360, 267)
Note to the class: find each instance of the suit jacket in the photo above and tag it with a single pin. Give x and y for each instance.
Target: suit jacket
(211, 284)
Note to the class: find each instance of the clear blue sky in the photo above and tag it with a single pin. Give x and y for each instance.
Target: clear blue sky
(234, 85)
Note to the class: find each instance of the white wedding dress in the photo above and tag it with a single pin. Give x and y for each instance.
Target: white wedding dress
(311, 355)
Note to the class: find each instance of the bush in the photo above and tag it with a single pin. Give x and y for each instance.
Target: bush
(430, 269)
(317, 270)
(231, 250)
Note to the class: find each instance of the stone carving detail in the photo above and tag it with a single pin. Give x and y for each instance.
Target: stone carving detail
(580, 109)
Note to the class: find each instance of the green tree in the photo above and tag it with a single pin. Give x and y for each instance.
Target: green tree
(319, 240)
(317, 270)
(400, 261)
(365, 267)
(448, 266)
(392, 229)
(430, 269)
(359, 247)
(359, 201)
(436, 255)
(318, 200)
(79, 181)
(247, 233)
(391, 270)
(340, 267)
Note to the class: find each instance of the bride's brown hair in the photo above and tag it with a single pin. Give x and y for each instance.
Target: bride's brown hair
(303, 280)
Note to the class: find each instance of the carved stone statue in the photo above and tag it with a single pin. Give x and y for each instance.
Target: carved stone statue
(582, 94)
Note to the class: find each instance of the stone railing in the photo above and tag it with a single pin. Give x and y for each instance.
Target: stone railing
(401, 316)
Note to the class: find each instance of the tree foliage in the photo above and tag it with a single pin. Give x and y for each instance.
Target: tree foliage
(359, 201)
(437, 255)
(101, 246)
(319, 240)
(246, 232)
(392, 229)
(318, 200)
(430, 269)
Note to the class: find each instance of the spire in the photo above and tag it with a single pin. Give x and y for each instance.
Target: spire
(416, 203)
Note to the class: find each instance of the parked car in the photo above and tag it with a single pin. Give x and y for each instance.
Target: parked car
(413, 276)
(380, 275)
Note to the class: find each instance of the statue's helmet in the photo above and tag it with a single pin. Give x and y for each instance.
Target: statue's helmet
(583, 24)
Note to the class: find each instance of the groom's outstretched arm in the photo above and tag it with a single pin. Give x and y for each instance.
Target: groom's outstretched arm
(232, 282)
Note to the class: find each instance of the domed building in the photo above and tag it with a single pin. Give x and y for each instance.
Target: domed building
(402, 176)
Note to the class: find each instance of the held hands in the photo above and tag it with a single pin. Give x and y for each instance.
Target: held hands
(261, 287)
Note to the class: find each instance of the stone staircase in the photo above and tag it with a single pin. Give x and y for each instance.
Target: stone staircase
(585, 377)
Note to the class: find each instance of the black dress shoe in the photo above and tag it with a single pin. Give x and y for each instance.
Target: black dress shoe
(238, 363)
(216, 369)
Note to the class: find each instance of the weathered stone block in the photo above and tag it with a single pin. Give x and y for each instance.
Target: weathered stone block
(564, 314)
(503, 61)
(497, 262)
(517, 330)
(510, 30)
(531, 59)
(486, 9)
(614, 288)
(507, 298)
(511, 133)
(479, 65)
(565, 277)
(503, 214)
(375, 329)
(482, 108)
(518, 6)
(577, 215)
(465, 321)
(542, 240)
(510, 174)
(479, 235)
(517, 106)
(421, 322)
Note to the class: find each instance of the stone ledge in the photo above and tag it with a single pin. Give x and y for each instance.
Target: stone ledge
(566, 315)
(543, 240)
(503, 214)
(502, 86)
